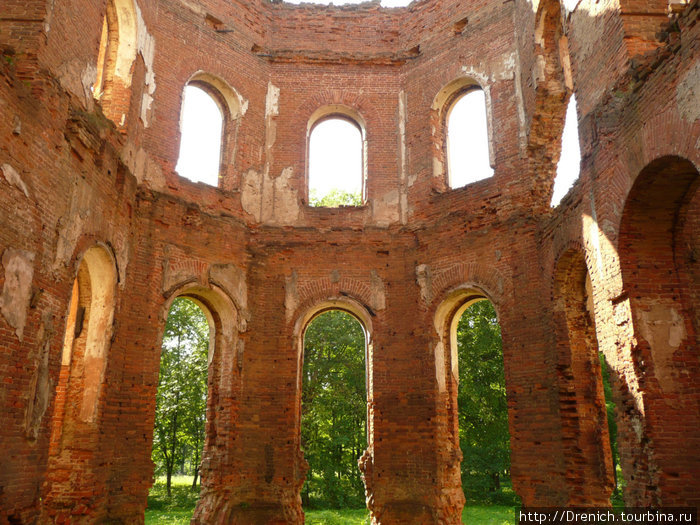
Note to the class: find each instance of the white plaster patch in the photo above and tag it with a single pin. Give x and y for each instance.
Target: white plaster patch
(424, 280)
(663, 328)
(378, 297)
(14, 178)
(146, 46)
(291, 295)
(385, 210)
(272, 100)
(17, 289)
(232, 279)
(688, 94)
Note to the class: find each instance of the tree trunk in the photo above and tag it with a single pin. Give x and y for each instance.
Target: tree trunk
(168, 478)
(194, 480)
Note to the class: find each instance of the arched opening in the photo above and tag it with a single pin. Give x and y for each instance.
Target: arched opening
(467, 138)
(658, 249)
(334, 410)
(569, 164)
(201, 132)
(181, 401)
(589, 462)
(115, 58)
(482, 411)
(75, 426)
(336, 158)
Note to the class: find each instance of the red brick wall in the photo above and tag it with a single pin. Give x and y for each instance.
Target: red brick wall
(70, 180)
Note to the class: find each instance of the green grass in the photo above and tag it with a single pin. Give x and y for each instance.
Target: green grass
(337, 517)
(178, 509)
(488, 515)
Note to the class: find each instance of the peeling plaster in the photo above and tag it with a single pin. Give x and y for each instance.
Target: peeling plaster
(291, 295)
(688, 94)
(386, 209)
(270, 200)
(17, 289)
(663, 328)
(14, 178)
(146, 46)
(41, 384)
(424, 280)
(403, 200)
(378, 294)
(232, 279)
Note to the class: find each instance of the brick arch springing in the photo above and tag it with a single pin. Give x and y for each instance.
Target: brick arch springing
(584, 430)
(657, 247)
(74, 453)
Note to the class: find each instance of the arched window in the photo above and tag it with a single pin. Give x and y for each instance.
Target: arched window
(467, 139)
(115, 58)
(336, 158)
(570, 160)
(201, 128)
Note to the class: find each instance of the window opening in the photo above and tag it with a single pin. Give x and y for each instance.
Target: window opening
(467, 139)
(201, 129)
(334, 410)
(484, 437)
(336, 163)
(181, 398)
(569, 163)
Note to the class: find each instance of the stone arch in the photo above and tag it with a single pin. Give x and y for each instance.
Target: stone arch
(118, 47)
(442, 104)
(657, 248)
(349, 114)
(76, 425)
(584, 429)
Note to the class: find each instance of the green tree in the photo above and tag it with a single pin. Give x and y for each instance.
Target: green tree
(335, 198)
(483, 412)
(182, 391)
(334, 407)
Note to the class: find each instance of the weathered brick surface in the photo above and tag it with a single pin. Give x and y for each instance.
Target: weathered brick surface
(613, 268)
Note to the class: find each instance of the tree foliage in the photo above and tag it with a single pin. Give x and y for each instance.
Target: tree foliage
(335, 198)
(483, 412)
(182, 392)
(334, 407)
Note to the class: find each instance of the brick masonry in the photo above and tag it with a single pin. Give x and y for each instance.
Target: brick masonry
(613, 268)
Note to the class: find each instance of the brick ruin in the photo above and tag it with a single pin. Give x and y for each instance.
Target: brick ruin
(98, 235)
